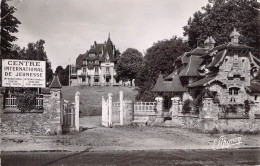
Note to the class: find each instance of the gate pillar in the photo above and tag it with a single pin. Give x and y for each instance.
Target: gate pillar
(110, 102)
(77, 110)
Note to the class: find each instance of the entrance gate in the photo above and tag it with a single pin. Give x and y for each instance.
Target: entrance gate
(70, 115)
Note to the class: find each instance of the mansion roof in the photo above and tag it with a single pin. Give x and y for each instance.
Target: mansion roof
(100, 52)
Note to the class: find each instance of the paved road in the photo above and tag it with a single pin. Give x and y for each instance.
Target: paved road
(158, 157)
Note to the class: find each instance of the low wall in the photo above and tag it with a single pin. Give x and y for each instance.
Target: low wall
(43, 123)
(229, 125)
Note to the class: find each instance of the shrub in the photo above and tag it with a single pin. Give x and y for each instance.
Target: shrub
(187, 106)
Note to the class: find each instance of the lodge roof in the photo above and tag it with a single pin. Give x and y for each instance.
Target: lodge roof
(201, 83)
(197, 51)
(254, 86)
(217, 59)
(191, 69)
(168, 86)
(229, 45)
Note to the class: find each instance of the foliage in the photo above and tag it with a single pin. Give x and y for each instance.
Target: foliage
(129, 64)
(9, 25)
(187, 106)
(159, 58)
(34, 51)
(63, 75)
(25, 98)
(219, 18)
(247, 106)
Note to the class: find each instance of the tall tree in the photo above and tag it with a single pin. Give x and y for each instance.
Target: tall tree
(220, 17)
(9, 25)
(159, 59)
(35, 51)
(63, 75)
(129, 64)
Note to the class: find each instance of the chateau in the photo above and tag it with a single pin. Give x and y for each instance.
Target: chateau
(225, 74)
(97, 66)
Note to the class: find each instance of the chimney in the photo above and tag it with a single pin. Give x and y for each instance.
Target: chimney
(234, 36)
(209, 43)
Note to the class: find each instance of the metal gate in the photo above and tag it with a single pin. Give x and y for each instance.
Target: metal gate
(68, 120)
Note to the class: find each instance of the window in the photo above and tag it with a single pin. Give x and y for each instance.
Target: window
(84, 62)
(96, 71)
(226, 63)
(107, 70)
(84, 70)
(243, 64)
(92, 55)
(236, 60)
(83, 79)
(96, 62)
(107, 58)
(233, 91)
(256, 97)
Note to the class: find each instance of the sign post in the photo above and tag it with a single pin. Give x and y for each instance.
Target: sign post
(23, 73)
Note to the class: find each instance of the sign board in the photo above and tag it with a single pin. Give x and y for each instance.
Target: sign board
(23, 73)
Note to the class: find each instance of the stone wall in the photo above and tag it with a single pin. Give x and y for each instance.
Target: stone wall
(47, 122)
(209, 119)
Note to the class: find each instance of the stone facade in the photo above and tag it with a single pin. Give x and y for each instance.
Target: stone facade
(47, 122)
(221, 82)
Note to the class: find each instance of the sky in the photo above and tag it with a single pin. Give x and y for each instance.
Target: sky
(70, 27)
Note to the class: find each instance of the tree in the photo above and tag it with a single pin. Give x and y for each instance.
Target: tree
(9, 25)
(58, 70)
(129, 64)
(34, 51)
(63, 75)
(158, 59)
(220, 17)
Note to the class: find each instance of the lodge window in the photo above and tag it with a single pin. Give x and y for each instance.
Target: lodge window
(243, 63)
(233, 91)
(107, 70)
(236, 60)
(226, 63)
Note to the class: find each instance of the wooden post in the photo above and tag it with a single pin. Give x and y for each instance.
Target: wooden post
(77, 110)
(121, 100)
(110, 109)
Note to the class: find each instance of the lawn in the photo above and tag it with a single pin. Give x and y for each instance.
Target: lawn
(90, 97)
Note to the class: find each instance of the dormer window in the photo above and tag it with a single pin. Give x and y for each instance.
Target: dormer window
(84, 62)
(233, 91)
(107, 58)
(235, 61)
(243, 64)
